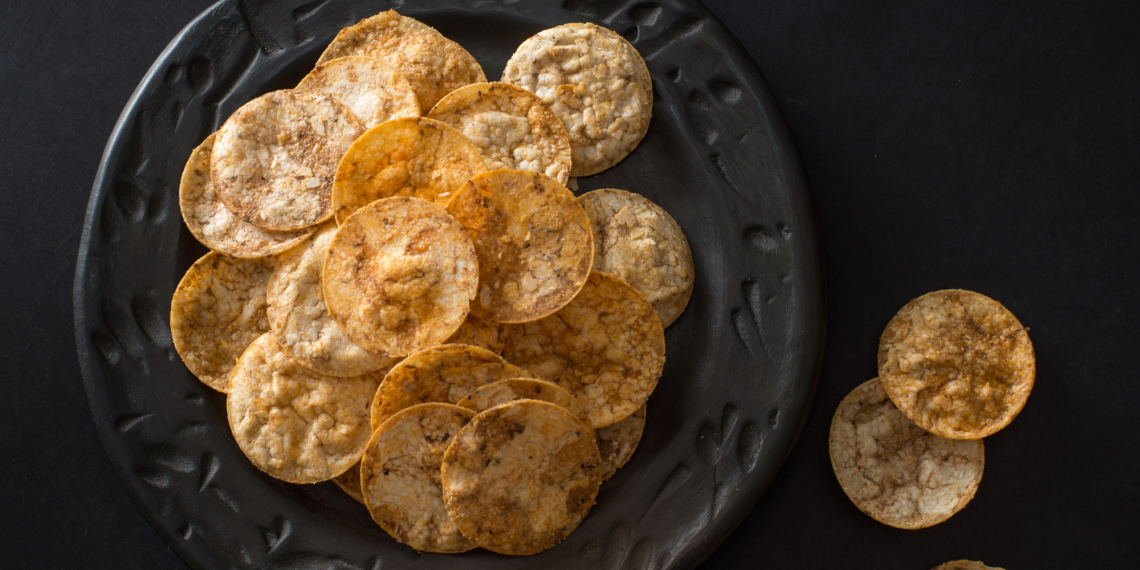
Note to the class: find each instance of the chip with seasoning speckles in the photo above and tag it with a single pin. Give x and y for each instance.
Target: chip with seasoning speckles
(503, 391)
(372, 90)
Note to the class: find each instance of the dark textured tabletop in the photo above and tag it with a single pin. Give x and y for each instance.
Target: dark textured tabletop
(948, 145)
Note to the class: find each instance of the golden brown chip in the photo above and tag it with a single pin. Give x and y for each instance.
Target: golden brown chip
(295, 424)
(596, 82)
(606, 347)
(511, 125)
(372, 90)
(433, 64)
(443, 374)
(400, 275)
(275, 158)
(482, 333)
(965, 565)
(894, 471)
(957, 363)
(349, 482)
(218, 310)
(422, 157)
(533, 240)
(217, 227)
(617, 442)
(299, 318)
(640, 242)
(499, 393)
(401, 474)
(521, 477)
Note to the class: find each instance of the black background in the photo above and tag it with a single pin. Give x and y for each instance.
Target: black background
(948, 145)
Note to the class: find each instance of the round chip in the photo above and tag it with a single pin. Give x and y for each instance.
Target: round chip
(596, 82)
(482, 333)
(295, 424)
(372, 90)
(218, 310)
(503, 391)
(957, 363)
(606, 347)
(299, 318)
(215, 225)
(443, 374)
(433, 64)
(533, 240)
(640, 242)
(420, 157)
(511, 125)
(349, 482)
(401, 474)
(965, 565)
(521, 477)
(894, 471)
(400, 275)
(617, 442)
(275, 158)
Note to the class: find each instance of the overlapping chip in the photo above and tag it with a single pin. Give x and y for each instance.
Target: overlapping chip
(349, 482)
(617, 442)
(483, 333)
(370, 88)
(498, 393)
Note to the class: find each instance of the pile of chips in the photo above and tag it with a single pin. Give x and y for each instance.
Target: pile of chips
(404, 297)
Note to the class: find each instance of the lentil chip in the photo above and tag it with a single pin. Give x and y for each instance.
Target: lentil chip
(482, 333)
(349, 482)
(498, 393)
(617, 442)
(372, 90)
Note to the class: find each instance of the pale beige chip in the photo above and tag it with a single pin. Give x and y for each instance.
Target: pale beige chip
(965, 565)
(274, 159)
(299, 318)
(503, 391)
(433, 64)
(640, 242)
(444, 374)
(533, 240)
(596, 82)
(349, 482)
(374, 91)
(957, 363)
(606, 347)
(420, 157)
(894, 471)
(295, 424)
(400, 275)
(521, 477)
(401, 475)
(483, 333)
(511, 125)
(215, 225)
(617, 442)
(218, 310)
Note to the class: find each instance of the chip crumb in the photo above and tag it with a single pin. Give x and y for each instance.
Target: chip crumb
(370, 88)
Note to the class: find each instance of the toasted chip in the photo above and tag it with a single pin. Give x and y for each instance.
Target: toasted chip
(606, 347)
(299, 318)
(957, 363)
(511, 125)
(400, 275)
(401, 474)
(617, 442)
(433, 64)
(275, 158)
(420, 157)
(596, 82)
(521, 477)
(533, 240)
(217, 227)
(965, 565)
(349, 482)
(295, 424)
(892, 469)
(372, 90)
(444, 373)
(640, 242)
(482, 333)
(218, 310)
(503, 391)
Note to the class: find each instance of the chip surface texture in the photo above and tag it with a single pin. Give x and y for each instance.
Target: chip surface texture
(965, 565)
(957, 363)
(372, 90)
(521, 477)
(893, 470)
(504, 391)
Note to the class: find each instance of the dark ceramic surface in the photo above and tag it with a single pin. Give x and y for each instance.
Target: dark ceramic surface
(742, 360)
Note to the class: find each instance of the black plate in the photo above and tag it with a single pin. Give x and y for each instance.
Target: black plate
(742, 359)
